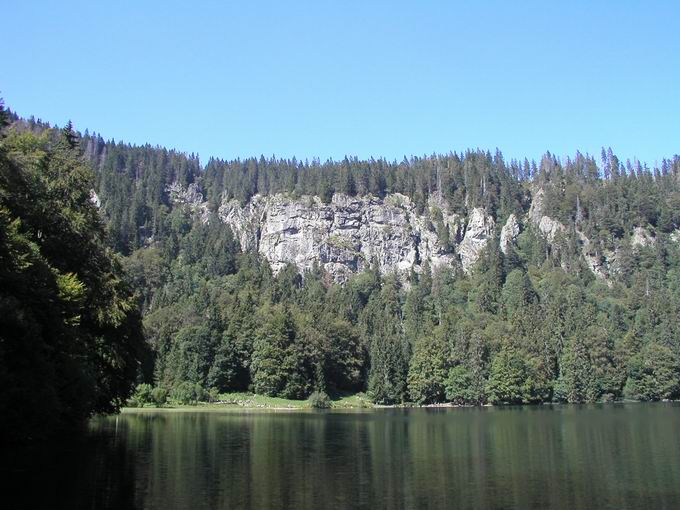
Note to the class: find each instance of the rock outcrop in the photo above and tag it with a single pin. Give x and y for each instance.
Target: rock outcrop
(94, 199)
(479, 230)
(548, 226)
(641, 237)
(509, 233)
(351, 233)
(595, 262)
(190, 198)
(346, 235)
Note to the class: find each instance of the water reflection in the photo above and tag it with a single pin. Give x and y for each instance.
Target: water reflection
(613, 456)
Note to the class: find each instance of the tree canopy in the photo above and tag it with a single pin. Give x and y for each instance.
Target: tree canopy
(71, 341)
(529, 325)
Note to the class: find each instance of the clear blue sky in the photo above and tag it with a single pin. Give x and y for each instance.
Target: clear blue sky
(367, 78)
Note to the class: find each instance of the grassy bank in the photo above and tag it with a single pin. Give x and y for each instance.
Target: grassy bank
(252, 401)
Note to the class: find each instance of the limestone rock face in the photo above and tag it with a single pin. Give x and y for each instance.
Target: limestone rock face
(350, 234)
(550, 227)
(547, 225)
(536, 208)
(641, 237)
(509, 233)
(479, 230)
(599, 265)
(190, 198)
(344, 236)
(94, 199)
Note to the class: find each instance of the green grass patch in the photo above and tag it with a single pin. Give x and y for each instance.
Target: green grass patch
(353, 401)
(245, 400)
(251, 400)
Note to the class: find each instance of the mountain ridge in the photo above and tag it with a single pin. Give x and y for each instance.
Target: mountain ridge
(457, 278)
(348, 234)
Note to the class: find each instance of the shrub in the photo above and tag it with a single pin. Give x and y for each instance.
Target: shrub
(213, 395)
(132, 402)
(461, 388)
(188, 393)
(319, 400)
(159, 395)
(653, 374)
(141, 396)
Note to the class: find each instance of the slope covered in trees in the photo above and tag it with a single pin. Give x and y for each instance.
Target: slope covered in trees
(529, 325)
(71, 341)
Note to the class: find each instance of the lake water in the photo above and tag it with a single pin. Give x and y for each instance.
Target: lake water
(609, 456)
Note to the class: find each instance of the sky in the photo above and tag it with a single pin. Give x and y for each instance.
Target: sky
(364, 78)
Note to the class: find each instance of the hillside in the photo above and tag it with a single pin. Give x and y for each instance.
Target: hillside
(459, 277)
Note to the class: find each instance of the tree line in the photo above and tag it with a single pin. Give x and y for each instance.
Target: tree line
(519, 329)
(526, 326)
(71, 339)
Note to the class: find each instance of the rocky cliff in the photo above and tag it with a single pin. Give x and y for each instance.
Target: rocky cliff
(350, 233)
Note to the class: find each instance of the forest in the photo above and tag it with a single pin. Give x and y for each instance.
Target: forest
(71, 337)
(141, 291)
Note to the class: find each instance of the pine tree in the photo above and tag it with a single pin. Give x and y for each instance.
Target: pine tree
(429, 370)
(71, 340)
(70, 136)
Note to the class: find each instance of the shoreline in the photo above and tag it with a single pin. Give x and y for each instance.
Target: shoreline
(348, 403)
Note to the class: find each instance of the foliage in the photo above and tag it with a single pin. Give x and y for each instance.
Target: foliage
(529, 324)
(654, 374)
(143, 395)
(159, 395)
(71, 341)
(319, 400)
(508, 378)
(429, 370)
(461, 388)
(188, 393)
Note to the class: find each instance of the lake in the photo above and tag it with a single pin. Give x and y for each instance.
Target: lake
(604, 456)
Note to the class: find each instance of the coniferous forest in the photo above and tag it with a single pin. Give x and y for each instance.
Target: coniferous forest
(71, 340)
(137, 291)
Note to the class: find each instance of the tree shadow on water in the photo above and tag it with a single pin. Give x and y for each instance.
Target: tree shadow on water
(92, 472)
